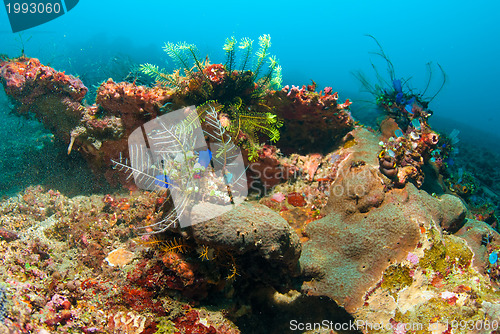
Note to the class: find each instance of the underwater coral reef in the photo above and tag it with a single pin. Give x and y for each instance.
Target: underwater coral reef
(344, 228)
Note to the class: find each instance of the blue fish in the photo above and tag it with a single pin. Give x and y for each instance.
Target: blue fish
(416, 123)
(398, 133)
(229, 178)
(205, 157)
(162, 181)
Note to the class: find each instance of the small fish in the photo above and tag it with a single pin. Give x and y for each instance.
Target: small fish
(205, 157)
(162, 181)
(416, 123)
(409, 108)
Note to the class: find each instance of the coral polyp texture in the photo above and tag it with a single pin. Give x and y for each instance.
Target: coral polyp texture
(54, 97)
(304, 107)
(373, 226)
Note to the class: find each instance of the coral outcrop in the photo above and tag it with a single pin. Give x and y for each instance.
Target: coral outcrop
(304, 108)
(254, 232)
(366, 229)
(53, 97)
(250, 110)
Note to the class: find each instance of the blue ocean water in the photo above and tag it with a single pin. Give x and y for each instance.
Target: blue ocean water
(324, 42)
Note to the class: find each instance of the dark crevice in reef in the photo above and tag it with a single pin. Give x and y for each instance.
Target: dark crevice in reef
(274, 313)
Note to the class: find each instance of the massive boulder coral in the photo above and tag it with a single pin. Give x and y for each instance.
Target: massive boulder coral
(434, 290)
(254, 232)
(367, 228)
(484, 242)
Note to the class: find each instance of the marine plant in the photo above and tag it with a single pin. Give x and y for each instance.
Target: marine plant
(413, 142)
(238, 86)
(395, 95)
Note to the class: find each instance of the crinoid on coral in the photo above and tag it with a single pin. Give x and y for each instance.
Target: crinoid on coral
(395, 95)
(200, 179)
(408, 140)
(238, 86)
(222, 82)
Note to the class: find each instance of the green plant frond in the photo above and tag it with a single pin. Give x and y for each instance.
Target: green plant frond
(266, 123)
(159, 76)
(273, 62)
(190, 123)
(174, 246)
(178, 53)
(246, 45)
(149, 69)
(183, 55)
(277, 80)
(262, 53)
(229, 48)
(229, 44)
(265, 44)
(273, 77)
